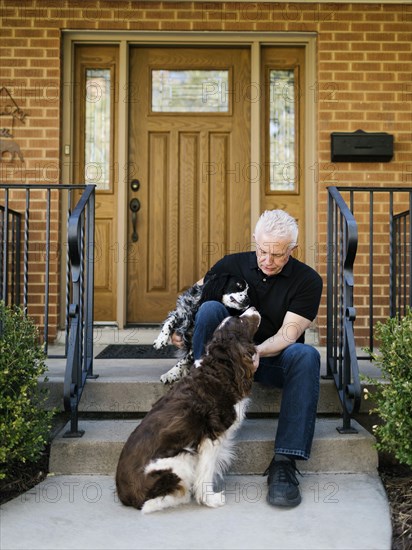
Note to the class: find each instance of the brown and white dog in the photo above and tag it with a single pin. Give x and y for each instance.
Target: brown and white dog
(186, 439)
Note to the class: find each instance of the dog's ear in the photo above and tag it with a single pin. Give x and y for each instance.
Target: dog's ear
(232, 345)
(214, 287)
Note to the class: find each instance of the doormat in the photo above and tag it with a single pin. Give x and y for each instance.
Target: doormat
(141, 351)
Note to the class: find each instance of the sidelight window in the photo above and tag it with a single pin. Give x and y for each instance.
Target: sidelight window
(98, 128)
(282, 130)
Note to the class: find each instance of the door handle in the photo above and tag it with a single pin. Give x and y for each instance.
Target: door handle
(134, 206)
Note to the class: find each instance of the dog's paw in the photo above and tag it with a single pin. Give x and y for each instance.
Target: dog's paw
(164, 379)
(161, 341)
(175, 373)
(214, 500)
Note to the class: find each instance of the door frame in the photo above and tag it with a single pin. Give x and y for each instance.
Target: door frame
(253, 40)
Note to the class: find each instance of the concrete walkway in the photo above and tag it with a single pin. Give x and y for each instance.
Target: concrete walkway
(338, 511)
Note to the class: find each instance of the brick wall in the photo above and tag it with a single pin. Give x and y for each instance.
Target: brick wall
(363, 74)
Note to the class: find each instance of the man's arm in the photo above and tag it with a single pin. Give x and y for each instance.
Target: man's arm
(293, 327)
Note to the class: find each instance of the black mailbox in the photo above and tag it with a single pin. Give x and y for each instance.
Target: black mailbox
(361, 146)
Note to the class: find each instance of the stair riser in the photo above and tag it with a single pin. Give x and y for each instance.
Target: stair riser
(98, 452)
(137, 398)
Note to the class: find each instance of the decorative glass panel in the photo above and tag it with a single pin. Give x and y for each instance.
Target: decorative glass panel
(282, 129)
(98, 128)
(190, 91)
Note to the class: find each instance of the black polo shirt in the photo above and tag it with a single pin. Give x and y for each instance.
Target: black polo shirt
(297, 288)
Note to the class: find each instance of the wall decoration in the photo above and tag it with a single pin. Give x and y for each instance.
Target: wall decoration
(10, 113)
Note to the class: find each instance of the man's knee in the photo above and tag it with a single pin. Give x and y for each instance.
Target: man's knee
(208, 318)
(210, 311)
(305, 355)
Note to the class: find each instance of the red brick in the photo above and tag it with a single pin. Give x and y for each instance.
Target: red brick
(363, 66)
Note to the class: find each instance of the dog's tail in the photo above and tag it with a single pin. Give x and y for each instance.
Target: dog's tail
(174, 481)
(131, 492)
(146, 486)
(164, 482)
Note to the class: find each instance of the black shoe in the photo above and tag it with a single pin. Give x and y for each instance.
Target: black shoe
(283, 486)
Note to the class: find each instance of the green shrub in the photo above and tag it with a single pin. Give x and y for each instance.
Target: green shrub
(24, 423)
(393, 395)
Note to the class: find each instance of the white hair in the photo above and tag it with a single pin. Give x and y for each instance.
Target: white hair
(278, 224)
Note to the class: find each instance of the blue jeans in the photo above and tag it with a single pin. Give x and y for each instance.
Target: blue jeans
(296, 370)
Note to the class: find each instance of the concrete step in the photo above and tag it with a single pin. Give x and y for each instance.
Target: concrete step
(98, 450)
(132, 386)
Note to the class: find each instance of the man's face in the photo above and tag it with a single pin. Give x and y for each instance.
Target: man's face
(272, 254)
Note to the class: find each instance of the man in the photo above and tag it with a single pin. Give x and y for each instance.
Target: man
(287, 293)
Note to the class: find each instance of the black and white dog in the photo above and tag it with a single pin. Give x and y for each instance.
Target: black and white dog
(225, 288)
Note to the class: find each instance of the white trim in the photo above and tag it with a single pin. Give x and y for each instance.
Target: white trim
(253, 39)
(187, 37)
(122, 193)
(255, 132)
(310, 146)
(66, 161)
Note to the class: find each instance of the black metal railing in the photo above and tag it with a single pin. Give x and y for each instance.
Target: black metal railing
(80, 351)
(33, 253)
(342, 362)
(400, 298)
(368, 278)
(10, 255)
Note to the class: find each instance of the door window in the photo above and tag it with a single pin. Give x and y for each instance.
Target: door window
(190, 91)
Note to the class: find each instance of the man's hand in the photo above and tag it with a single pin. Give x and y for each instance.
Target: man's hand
(293, 327)
(177, 340)
(256, 358)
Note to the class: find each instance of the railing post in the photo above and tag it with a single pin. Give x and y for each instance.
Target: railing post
(341, 351)
(80, 350)
(71, 381)
(73, 375)
(90, 285)
(409, 248)
(5, 275)
(393, 235)
(351, 390)
(329, 289)
(9, 254)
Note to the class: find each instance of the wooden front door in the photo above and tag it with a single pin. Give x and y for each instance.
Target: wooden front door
(189, 170)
